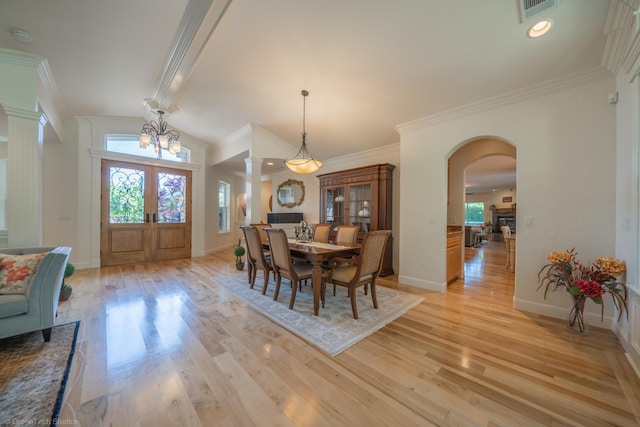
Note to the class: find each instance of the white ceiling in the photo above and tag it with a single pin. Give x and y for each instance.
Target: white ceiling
(491, 173)
(369, 65)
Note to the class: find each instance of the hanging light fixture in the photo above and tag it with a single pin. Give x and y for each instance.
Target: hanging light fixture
(156, 134)
(303, 162)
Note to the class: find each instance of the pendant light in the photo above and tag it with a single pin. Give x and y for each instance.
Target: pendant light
(303, 162)
(156, 134)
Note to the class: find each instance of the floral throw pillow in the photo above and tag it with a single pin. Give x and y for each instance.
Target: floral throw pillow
(16, 272)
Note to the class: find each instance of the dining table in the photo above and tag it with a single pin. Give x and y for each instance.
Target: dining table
(316, 253)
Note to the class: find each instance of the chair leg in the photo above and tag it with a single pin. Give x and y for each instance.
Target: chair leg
(334, 290)
(266, 281)
(252, 280)
(323, 291)
(277, 291)
(352, 295)
(294, 290)
(374, 297)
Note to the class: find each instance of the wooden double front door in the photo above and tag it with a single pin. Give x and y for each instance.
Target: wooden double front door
(145, 213)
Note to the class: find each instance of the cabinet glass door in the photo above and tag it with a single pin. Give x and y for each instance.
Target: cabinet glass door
(335, 204)
(360, 206)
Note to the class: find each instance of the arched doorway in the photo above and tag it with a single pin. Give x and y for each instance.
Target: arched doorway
(481, 184)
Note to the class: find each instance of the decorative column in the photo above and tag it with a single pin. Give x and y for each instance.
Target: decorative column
(253, 183)
(24, 177)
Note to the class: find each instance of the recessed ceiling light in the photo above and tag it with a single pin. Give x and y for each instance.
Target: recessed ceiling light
(270, 163)
(540, 29)
(20, 35)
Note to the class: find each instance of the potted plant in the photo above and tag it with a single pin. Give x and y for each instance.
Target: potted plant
(65, 290)
(239, 251)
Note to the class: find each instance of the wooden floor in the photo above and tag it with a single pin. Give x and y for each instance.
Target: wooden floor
(158, 348)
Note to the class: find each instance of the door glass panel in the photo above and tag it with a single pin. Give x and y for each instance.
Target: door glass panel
(335, 205)
(126, 195)
(171, 198)
(360, 206)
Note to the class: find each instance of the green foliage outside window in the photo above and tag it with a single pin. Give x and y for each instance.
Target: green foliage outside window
(474, 213)
(126, 199)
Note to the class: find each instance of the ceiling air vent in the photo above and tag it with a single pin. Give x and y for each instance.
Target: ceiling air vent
(530, 8)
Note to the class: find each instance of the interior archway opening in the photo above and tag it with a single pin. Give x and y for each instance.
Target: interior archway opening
(482, 199)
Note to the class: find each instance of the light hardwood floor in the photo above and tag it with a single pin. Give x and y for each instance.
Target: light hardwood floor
(158, 348)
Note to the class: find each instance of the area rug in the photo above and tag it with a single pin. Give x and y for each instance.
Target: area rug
(33, 375)
(334, 329)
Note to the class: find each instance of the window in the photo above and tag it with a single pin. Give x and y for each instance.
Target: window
(474, 213)
(224, 191)
(129, 144)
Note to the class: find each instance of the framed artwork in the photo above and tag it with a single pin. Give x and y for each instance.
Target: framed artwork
(506, 200)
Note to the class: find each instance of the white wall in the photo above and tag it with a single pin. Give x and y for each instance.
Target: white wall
(626, 219)
(214, 239)
(566, 166)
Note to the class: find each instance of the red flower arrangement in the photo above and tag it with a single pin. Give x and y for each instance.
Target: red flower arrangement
(582, 282)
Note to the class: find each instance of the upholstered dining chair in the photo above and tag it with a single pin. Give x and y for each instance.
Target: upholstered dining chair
(256, 256)
(321, 233)
(260, 227)
(347, 234)
(506, 232)
(361, 270)
(283, 264)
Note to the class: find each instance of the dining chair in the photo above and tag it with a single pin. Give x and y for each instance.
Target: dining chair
(361, 270)
(260, 227)
(347, 234)
(506, 232)
(283, 264)
(321, 233)
(256, 256)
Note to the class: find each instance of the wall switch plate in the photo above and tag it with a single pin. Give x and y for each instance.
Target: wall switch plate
(528, 221)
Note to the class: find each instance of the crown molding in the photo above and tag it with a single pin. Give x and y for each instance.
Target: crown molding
(49, 84)
(240, 133)
(16, 57)
(359, 157)
(21, 113)
(197, 27)
(623, 46)
(523, 94)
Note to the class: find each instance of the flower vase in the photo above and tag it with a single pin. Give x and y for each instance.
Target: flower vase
(576, 316)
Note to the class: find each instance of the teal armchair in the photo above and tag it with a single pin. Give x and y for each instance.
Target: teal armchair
(36, 310)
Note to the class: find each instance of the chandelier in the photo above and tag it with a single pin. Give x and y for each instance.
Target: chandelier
(156, 134)
(303, 162)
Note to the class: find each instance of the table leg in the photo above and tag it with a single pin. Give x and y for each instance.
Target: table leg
(316, 280)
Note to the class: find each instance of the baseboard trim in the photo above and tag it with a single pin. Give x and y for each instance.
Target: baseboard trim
(421, 283)
(557, 312)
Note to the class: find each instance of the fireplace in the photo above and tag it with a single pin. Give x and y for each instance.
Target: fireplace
(504, 218)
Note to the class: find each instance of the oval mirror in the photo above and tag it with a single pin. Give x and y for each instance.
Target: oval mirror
(290, 193)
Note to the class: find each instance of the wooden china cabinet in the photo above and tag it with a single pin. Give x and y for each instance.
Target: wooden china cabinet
(363, 197)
